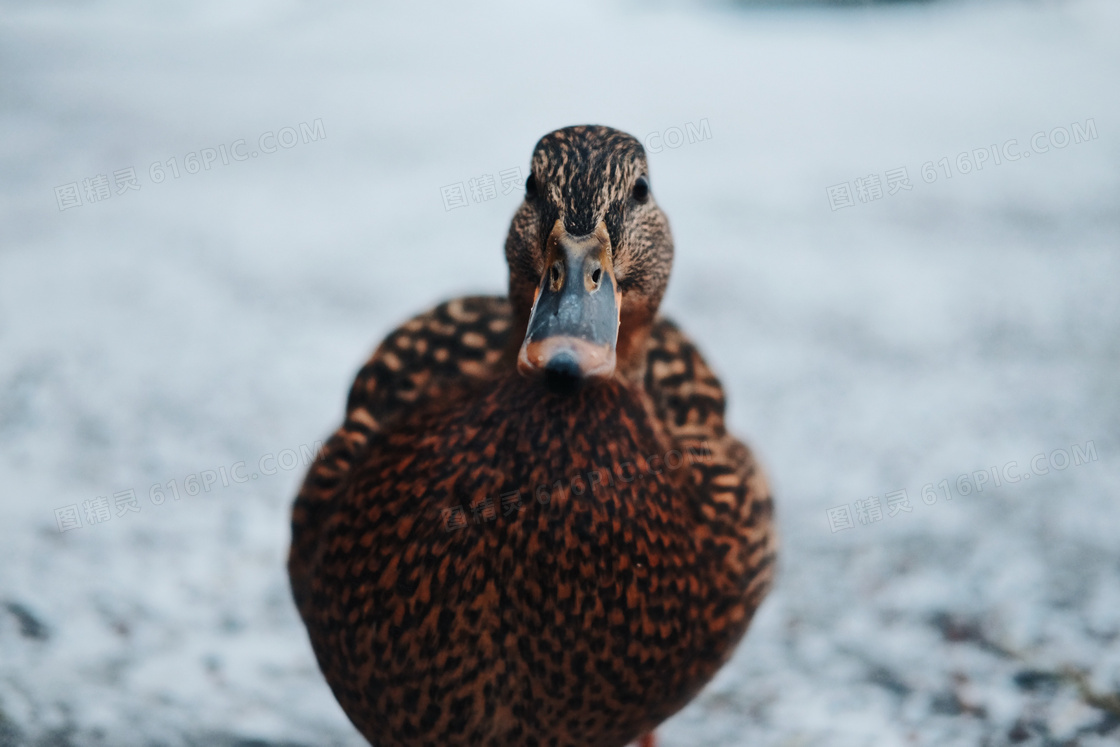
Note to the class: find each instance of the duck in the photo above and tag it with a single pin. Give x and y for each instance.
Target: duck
(533, 527)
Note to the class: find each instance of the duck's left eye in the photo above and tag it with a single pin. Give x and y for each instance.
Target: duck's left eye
(641, 189)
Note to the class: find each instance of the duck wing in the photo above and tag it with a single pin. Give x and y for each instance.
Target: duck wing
(688, 401)
(436, 355)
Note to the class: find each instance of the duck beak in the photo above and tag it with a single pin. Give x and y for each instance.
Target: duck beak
(573, 327)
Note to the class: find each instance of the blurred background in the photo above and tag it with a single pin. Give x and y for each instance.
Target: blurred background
(898, 243)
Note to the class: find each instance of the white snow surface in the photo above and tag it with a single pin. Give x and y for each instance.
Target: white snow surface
(219, 317)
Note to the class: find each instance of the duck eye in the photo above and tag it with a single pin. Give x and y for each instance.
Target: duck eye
(531, 187)
(641, 189)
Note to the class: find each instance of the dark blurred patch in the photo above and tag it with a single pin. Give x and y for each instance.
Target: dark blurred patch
(950, 703)
(1019, 733)
(955, 628)
(1110, 724)
(1036, 680)
(229, 740)
(888, 680)
(57, 738)
(961, 629)
(10, 735)
(1106, 701)
(29, 625)
(18, 396)
(946, 704)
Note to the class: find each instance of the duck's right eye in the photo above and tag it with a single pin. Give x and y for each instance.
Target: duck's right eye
(641, 189)
(530, 187)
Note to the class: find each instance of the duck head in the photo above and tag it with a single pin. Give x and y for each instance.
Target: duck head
(589, 255)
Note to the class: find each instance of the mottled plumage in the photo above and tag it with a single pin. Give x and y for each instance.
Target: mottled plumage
(481, 559)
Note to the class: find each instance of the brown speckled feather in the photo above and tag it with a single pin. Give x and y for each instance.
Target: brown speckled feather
(426, 360)
(589, 618)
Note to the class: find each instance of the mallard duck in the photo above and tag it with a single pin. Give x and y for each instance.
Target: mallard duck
(532, 527)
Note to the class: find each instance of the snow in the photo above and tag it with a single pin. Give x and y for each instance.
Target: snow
(218, 318)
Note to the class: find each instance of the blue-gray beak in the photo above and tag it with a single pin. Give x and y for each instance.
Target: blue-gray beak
(573, 327)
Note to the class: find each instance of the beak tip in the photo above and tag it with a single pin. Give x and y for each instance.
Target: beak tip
(563, 364)
(562, 374)
(566, 358)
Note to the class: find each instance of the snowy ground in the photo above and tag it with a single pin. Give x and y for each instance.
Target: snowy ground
(218, 317)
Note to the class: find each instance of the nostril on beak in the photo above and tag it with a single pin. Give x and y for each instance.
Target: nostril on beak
(555, 276)
(597, 275)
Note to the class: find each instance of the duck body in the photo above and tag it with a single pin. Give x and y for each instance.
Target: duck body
(484, 560)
